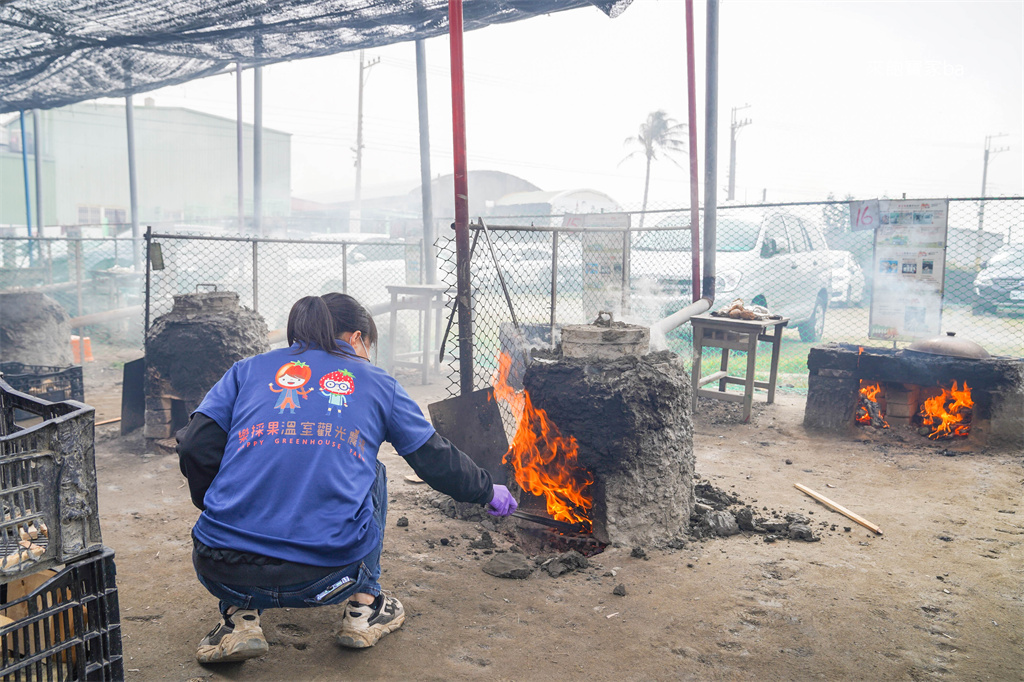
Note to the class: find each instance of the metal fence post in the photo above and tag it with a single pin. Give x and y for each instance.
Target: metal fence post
(78, 272)
(554, 282)
(344, 268)
(255, 277)
(627, 245)
(49, 263)
(145, 322)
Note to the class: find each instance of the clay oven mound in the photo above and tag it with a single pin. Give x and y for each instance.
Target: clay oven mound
(34, 330)
(189, 349)
(631, 419)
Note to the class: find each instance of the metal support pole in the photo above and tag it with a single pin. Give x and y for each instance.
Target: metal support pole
(711, 153)
(255, 277)
(426, 191)
(37, 146)
(691, 89)
(133, 185)
(78, 273)
(240, 144)
(554, 283)
(257, 150)
(462, 269)
(28, 191)
(358, 199)
(149, 246)
(627, 247)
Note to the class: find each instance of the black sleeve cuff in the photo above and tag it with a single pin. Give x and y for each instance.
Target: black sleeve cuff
(449, 470)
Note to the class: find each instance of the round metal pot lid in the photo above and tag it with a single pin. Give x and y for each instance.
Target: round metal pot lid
(951, 346)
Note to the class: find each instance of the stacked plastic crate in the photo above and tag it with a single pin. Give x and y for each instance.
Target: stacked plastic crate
(59, 617)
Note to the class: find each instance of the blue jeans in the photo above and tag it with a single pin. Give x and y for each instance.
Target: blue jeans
(335, 588)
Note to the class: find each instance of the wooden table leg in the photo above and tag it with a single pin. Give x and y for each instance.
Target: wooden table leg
(748, 383)
(773, 377)
(724, 367)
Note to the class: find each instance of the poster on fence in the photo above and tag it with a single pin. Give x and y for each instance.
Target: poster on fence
(908, 269)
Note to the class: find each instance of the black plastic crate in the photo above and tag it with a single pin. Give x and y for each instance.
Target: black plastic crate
(48, 507)
(67, 628)
(44, 382)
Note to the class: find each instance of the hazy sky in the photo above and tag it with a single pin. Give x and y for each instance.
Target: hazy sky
(865, 98)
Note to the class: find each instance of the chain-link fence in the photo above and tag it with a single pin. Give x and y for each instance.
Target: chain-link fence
(269, 275)
(800, 260)
(88, 277)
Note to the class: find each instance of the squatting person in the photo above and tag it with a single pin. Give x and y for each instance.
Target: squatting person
(294, 505)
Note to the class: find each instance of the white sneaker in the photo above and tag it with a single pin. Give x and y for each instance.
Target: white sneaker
(236, 638)
(364, 624)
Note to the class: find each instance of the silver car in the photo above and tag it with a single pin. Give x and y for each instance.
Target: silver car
(777, 260)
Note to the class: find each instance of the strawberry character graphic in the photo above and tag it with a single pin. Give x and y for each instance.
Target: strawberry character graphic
(291, 377)
(336, 386)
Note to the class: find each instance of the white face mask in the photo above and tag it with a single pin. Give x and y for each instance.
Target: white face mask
(365, 351)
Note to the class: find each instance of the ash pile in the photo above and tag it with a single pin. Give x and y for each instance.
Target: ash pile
(719, 513)
(189, 349)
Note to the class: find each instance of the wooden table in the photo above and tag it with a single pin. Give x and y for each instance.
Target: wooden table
(426, 298)
(734, 335)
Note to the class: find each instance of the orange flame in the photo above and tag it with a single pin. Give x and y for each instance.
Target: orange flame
(545, 462)
(946, 413)
(869, 391)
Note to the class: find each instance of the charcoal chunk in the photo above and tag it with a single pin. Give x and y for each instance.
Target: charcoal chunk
(720, 523)
(509, 565)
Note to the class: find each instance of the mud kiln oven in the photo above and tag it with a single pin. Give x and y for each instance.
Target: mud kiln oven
(624, 418)
(945, 389)
(189, 349)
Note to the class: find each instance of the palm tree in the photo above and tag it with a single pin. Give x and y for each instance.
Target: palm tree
(658, 134)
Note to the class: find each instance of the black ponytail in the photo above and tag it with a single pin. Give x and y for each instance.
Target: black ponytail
(310, 324)
(316, 321)
(350, 316)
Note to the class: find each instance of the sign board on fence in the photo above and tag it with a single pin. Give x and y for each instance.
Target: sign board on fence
(864, 215)
(908, 269)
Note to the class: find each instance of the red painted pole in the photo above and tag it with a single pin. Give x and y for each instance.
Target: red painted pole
(462, 270)
(691, 88)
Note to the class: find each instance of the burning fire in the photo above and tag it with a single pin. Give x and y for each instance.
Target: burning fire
(948, 412)
(869, 394)
(544, 461)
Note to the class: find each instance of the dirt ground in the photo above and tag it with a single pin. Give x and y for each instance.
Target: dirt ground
(939, 595)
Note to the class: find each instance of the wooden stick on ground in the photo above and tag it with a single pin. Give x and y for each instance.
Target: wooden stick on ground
(839, 508)
(108, 421)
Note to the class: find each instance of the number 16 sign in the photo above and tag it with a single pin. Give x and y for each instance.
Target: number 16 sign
(864, 215)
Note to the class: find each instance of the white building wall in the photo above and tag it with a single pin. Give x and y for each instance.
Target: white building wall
(186, 164)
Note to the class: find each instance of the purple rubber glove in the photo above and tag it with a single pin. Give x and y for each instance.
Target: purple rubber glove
(502, 503)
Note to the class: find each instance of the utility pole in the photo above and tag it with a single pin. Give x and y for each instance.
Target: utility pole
(736, 125)
(984, 182)
(363, 66)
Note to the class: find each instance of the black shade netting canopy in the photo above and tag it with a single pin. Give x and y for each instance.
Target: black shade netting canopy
(57, 52)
